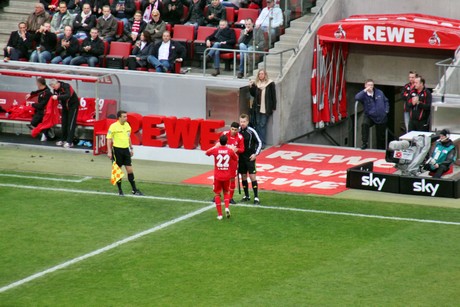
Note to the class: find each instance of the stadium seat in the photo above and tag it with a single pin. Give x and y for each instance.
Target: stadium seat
(170, 28)
(184, 35)
(99, 133)
(185, 14)
(138, 3)
(230, 15)
(120, 28)
(228, 56)
(244, 13)
(118, 52)
(200, 42)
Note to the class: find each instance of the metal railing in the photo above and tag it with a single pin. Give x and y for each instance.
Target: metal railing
(246, 52)
(443, 66)
(309, 30)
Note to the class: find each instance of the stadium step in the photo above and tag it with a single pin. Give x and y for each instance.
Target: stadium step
(18, 10)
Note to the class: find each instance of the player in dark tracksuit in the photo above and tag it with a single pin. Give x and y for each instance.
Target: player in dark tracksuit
(69, 101)
(419, 106)
(44, 94)
(247, 160)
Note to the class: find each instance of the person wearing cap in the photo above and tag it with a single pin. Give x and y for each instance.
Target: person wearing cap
(442, 156)
(68, 99)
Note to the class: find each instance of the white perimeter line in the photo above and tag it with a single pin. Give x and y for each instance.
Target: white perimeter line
(104, 249)
(184, 200)
(382, 217)
(47, 178)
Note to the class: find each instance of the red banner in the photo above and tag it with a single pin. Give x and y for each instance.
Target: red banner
(308, 169)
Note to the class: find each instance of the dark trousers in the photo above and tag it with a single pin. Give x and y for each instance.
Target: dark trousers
(14, 54)
(440, 171)
(418, 125)
(380, 132)
(37, 119)
(69, 122)
(132, 63)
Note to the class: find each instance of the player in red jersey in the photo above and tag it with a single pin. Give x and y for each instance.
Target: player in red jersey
(237, 140)
(223, 157)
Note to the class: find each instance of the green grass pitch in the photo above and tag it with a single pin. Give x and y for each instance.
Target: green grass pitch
(260, 257)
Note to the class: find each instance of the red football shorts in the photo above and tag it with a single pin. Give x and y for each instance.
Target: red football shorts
(220, 186)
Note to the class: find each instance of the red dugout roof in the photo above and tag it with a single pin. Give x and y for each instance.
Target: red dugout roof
(411, 30)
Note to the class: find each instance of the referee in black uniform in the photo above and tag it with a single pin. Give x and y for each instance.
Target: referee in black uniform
(247, 160)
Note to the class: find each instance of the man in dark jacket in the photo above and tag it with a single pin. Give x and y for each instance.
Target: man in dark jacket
(224, 38)
(166, 53)
(68, 99)
(216, 13)
(90, 51)
(173, 11)
(195, 15)
(44, 94)
(123, 10)
(18, 44)
(376, 108)
(46, 42)
(67, 48)
(419, 106)
(442, 156)
(84, 22)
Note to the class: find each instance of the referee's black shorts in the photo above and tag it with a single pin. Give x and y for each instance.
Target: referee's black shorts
(122, 156)
(246, 166)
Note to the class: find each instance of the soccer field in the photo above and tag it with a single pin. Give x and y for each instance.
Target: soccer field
(74, 242)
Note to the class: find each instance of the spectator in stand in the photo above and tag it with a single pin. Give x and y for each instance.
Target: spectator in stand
(156, 27)
(37, 19)
(270, 19)
(84, 22)
(98, 5)
(67, 49)
(68, 99)
(216, 13)
(442, 155)
(249, 40)
(90, 51)
(419, 106)
(135, 27)
(166, 54)
(123, 10)
(76, 6)
(376, 108)
(61, 19)
(405, 95)
(224, 38)
(44, 94)
(255, 4)
(148, 6)
(46, 42)
(264, 92)
(107, 25)
(173, 11)
(195, 15)
(18, 44)
(50, 5)
(143, 48)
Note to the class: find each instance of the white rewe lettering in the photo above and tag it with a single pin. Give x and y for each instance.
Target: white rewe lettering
(352, 160)
(424, 187)
(388, 34)
(284, 154)
(321, 172)
(371, 181)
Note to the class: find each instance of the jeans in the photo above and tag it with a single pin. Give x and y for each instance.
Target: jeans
(261, 126)
(90, 60)
(81, 35)
(43, 57)
(273, 34)
(380, 132)
(65, 61)
(242, 54)
(216, 55)
(158, 64)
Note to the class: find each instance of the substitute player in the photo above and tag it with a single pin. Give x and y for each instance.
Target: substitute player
(119, 149)
(223, 157)
(247, 160)
(235, 139)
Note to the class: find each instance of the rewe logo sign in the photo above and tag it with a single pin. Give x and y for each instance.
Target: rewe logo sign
(389, 34)
(371, 181)
(424, 187)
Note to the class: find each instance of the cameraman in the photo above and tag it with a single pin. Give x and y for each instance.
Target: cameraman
(442, 155)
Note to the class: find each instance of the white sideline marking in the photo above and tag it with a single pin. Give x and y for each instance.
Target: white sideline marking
(104, 249)
(382, 217)
(47, 178)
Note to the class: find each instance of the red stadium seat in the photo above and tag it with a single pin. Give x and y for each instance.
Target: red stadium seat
(185, 14)
(118, 52)
(244, 13)
(184, 35)
(200, 42)
(138, 3)
(120, 28)
(230, 15)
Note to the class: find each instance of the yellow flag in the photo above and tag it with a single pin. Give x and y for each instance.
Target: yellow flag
(117, 174)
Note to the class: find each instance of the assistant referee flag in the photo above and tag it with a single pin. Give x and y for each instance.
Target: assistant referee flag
(117, 173)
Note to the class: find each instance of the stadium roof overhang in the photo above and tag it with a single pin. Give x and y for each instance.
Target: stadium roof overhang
(409, 30)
